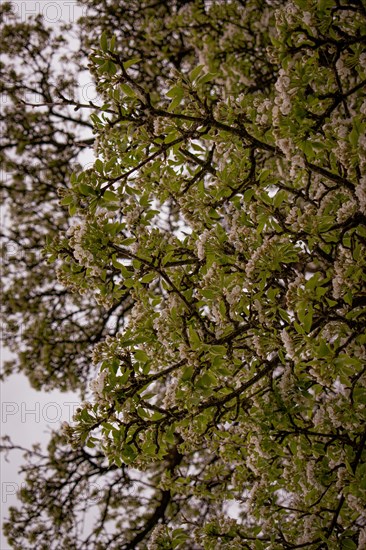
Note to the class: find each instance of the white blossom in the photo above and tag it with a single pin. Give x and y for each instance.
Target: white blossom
(346, 211)
(362, 539)
(97, 385)
(201, 244)
(288, 343)
(360, 191)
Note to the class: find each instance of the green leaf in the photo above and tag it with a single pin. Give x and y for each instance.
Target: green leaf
(69, 199)
(218, 350)
(148, 277)
(108, 67)
(175, 92)
(99, 166)
(194, 337)
(110, 196)
(285, 316)
(207, 293)
(187, 374)
(142, 413)
(204, 79)
(141, 355)
(195, 72)
(104, 41)
(299, 329)
(172, 136)
(72, 209)
(179, 536)
(206, 380)
(348, 544)
(128, 241)
(279, 198)
(308, 319)
(112, 44)
(345, 360)
(86, 189)
(214, 214)
(130, 62)
(323, 349)
(127, 90)
(128, 454)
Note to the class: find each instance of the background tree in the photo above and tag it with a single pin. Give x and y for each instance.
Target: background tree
(211, 265)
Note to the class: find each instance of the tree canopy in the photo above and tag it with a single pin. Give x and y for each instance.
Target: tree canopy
(202, 283)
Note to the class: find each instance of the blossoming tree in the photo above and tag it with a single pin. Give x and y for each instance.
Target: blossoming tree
(224, 221)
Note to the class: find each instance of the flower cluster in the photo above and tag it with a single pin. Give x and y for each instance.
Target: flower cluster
(98, 387)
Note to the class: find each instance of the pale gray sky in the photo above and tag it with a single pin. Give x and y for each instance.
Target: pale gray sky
(27, 416)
